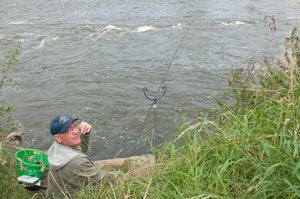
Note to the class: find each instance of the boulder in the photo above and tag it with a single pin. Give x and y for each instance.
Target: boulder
(136, 166)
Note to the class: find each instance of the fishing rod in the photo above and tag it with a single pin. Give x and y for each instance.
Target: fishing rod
(161, 89)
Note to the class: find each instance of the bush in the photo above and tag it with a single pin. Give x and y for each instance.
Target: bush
(8, 170)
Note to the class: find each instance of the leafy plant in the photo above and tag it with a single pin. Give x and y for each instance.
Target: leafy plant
(8, 171)
(5, 77)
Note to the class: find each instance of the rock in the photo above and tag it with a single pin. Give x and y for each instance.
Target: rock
(136, 166)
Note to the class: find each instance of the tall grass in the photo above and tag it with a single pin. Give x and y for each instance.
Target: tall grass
(247, 149)
(252, 148)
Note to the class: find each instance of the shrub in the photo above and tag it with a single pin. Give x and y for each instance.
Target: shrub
(8, 171)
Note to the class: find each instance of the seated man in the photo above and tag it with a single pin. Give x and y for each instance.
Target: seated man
(70, 168)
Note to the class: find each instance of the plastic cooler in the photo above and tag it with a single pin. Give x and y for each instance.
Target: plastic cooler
(32, 162)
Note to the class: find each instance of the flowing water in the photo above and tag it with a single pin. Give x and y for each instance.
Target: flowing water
(92, 59)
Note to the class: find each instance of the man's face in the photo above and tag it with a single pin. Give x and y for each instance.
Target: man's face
(71, 137)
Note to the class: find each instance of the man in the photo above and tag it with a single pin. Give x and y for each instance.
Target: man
(70, 168)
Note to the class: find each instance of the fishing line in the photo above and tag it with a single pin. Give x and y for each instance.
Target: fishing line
(161, 89)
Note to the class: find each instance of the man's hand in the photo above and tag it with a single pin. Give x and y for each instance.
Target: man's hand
(85, 128)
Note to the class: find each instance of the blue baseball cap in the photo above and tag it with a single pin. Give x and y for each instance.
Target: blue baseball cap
(61, 124)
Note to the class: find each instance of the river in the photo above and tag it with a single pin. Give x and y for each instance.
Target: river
(92, 59)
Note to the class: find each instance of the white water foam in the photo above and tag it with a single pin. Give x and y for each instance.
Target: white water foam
(2, 36)
(20, 23)
(109, 30)
(177, 26)
(145, 29)
(111, 27)
(234, 23)
(46, 40)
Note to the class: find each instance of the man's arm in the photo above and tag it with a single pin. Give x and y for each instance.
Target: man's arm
(85, 130)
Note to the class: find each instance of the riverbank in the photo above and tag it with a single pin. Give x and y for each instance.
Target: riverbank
(248, 148)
